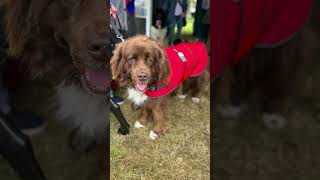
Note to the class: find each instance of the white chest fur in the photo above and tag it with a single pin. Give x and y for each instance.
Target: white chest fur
(78, 109)
(137, 97)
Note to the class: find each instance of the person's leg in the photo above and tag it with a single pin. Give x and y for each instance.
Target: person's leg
(205, 34)
(198, 24)
(170, 33)
(132, 25)
(179, 24)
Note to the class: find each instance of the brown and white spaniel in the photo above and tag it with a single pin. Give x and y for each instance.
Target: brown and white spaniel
(150, 73)
(66, 42)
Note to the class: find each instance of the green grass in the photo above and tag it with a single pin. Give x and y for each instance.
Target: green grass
(188, 29)
(182, 153)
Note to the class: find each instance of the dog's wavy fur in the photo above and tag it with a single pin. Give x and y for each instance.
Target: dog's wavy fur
(52, 37)
(145, 51)
(152, 109)
(264, 81)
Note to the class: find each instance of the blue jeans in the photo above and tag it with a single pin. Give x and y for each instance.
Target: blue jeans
(177, 21)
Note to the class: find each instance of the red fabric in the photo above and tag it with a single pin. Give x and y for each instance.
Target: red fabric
(224, 33)
(114, 85)
(239, 27)
(197, 60)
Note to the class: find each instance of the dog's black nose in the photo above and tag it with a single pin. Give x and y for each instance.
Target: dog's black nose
(98, 48)
(142, 77)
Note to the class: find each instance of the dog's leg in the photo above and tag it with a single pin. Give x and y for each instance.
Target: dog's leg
(277, 84)
(235, 91)
(273, 107)
(144, 117)
(196, 85)
(195, 91)
(180, 93)
(101, 170)
(103, 162)
(160, 122)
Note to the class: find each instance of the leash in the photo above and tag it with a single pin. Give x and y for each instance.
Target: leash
(114, 107)
(116, 31)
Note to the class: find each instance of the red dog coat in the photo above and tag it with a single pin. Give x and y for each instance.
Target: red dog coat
(238, 26)
(186, 60)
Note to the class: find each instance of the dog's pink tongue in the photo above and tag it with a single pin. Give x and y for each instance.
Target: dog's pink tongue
(141, 86)
(98, 79)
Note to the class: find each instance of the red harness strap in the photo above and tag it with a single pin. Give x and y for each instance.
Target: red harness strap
(185, 60)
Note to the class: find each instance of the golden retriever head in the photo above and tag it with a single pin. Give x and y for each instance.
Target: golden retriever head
(139, 61)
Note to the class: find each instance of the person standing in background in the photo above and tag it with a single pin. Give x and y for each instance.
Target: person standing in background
(120, 6)
(201, 21)
(132, 26)
(126, 15)
(175, 10)
(206, 24)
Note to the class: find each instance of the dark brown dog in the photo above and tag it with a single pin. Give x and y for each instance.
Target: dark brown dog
(126, 66)
(139, 63)
(263, 43)
(67, 42)
(263, 82)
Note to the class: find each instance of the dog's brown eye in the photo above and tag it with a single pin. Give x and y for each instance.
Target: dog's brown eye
(149, 60)
(131, 61)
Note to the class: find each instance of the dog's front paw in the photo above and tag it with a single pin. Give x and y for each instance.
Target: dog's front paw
(195, 100)
(182, 96)
(230, 111)
(153, 135)
(134, 106)
(274, 121)
(79, 142)
(138, 125)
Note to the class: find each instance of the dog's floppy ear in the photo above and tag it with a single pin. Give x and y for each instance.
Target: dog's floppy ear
(22, 20)
(116, 64)
(17, 27)
(164, 69)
